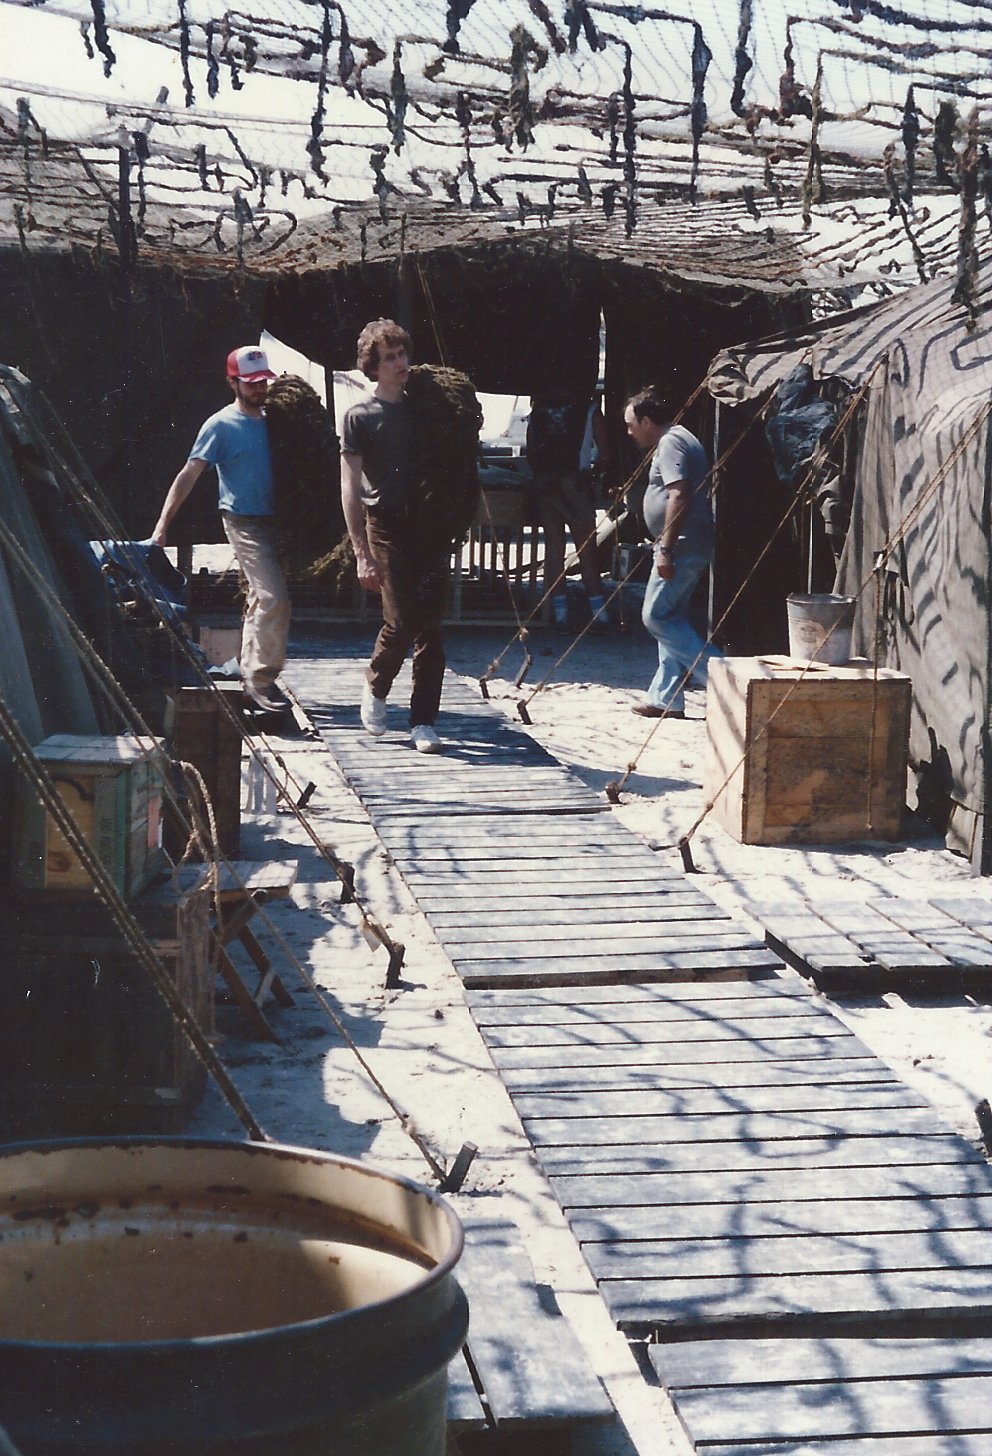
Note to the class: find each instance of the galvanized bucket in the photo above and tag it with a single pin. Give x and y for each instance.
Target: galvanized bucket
(820, 627)
(200, 1298)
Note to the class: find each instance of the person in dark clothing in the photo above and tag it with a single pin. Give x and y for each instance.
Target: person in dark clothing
(398, 552)
(563, 494)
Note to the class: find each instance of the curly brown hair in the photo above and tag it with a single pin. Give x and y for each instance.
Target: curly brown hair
(379, 332)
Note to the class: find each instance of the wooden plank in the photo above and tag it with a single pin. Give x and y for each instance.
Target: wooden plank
(880, 939)
(730, 1011)
(774, 1361)
(663, 940)
(970, 911)
(773, 1258)
(798, 931)
(465, 1412)
(624, 1031)
(748, 1155)
(656, 966)
(799, 1299)
(529, 1361)
(962, 947)
(956, 1444)
(560, 1131)
(509, 879)
(823, 1370)
(476, 895)
(841, 1071)
(718, 1053)
(637, 1102)
(770, 1185)
(569, 929)
(783, 987)
(763, 1220)
(874, 1408)
(566, 909)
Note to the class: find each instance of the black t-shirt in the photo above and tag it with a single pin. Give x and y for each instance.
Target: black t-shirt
(381, 432)
(554, 436)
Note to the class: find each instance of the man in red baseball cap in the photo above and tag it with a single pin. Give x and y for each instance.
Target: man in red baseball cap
(235, 441)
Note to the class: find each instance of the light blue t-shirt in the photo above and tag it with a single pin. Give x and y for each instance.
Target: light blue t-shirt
(679, 456)
(238, 446)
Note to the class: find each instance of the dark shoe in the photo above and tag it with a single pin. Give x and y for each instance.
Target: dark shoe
(258, 699)
(648, 710)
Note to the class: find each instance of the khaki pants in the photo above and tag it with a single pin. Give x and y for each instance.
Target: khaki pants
(266, 624)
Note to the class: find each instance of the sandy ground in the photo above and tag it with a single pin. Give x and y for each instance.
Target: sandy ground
(346, 1033)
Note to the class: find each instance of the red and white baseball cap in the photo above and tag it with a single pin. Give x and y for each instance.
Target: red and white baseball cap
(249, 364)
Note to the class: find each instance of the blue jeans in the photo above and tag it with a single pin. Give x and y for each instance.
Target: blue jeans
(664, 614)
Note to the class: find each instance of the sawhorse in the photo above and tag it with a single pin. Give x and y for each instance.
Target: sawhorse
(243, 888)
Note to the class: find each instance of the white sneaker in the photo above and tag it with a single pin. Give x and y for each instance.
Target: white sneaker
(373, 712)
(424, 739)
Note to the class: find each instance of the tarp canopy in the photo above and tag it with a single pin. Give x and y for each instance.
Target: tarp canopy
(920, 513)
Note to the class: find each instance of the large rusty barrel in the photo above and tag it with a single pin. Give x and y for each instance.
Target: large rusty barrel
(222, 1298)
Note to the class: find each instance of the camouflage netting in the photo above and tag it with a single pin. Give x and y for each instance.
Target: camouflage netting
(447, 418)
(309, 518)
(293, 134)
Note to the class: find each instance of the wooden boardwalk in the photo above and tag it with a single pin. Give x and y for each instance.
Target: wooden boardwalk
(735, 1164)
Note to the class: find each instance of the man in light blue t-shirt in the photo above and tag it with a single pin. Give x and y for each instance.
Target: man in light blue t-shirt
(236, 442)
(678, 515)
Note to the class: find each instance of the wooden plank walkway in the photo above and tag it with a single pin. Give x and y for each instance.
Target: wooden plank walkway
(832, 1397)
(523, 874)
(732, 1154)
(884, 942)
(734, 1163)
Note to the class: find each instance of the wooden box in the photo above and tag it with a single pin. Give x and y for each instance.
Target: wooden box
(112, 787)
(204, 735)
(806, 753)
(87, 1045)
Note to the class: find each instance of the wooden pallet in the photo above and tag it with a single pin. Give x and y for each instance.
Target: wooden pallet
(883, 941)
(832, 1397)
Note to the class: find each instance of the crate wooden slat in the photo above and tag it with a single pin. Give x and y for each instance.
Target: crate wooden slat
(802, 753)
(832, 1397)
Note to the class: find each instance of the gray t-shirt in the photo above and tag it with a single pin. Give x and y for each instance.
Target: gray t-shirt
(678, 455)
(380, 431)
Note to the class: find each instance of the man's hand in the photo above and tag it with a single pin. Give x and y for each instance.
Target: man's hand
(368, 572)
(664, 563)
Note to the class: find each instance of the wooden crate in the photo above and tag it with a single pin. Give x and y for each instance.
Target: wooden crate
(204, 735)
(112, 787)
(87, 1045)
(802, 753)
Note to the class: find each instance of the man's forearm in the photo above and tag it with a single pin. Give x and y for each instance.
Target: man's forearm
(177, 493)
(677, 504)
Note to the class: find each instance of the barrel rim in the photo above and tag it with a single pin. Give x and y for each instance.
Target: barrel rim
(433, 1278)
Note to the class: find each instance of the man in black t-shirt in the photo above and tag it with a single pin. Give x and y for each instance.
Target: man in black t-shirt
(564, 497)
(394, 550)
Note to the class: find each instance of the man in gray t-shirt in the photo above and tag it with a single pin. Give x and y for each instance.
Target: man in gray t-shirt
(678, 514)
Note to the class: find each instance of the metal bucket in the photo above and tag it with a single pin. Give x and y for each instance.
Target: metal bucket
(222, 1297)
(820, 627)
